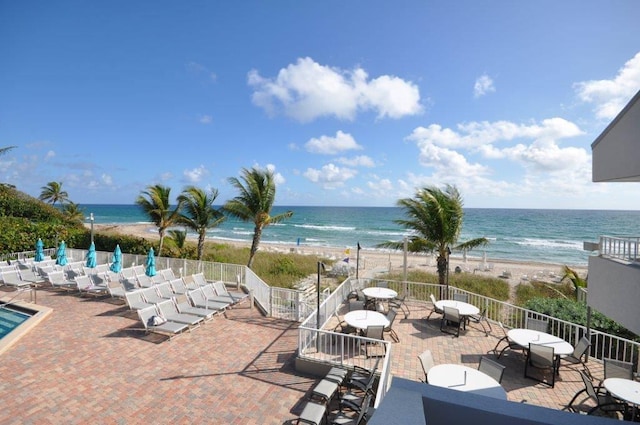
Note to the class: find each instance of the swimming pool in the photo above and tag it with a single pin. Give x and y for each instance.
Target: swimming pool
(11, 317)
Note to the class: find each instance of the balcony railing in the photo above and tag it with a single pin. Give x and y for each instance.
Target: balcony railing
(623, 248)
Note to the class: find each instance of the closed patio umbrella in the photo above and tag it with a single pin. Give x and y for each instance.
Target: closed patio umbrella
(39, 250)
(91, 256)
(116, 266)
(151, 264)
(61, 254)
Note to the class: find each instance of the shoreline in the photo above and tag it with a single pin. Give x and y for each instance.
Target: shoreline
(376, 261)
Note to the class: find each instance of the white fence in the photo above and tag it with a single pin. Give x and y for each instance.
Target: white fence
(623, 248)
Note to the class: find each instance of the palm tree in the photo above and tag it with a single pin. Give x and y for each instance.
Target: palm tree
(199, 213)
(434, 217)
(257, 194)
(179, 237)
(5, 150)
(73, 212)
(53, 193)
(155, 203)
(573, 276)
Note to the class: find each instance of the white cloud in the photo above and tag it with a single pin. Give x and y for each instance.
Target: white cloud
(49, 155)
(332, 145)
(196, 68)
(107, 179)
(476, 134)
(357, 161)
(205, 119)
(483, 85)
(537, 151)
(195, 175)
(330, 176)
(277, 177)
(610, 96)
(307, 90)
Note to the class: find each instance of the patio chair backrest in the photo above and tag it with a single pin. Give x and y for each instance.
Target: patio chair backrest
(541, 356)
(374, 332)
(165, 290)
(433, 299)
(391, 317)
(426, 361)
(168, 274)
(145, 314)
(451, 314)
(491, 368)
(588, 386)
(617, 369)
(461, 297)
(581, 347)
(537, 324)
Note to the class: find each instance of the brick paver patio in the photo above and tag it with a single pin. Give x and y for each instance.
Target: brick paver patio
(87, 363)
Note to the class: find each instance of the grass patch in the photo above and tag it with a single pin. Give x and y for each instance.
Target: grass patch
(276, 269)
(484, 285)
(531, 290)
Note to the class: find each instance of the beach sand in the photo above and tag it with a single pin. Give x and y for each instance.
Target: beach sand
(373, 262)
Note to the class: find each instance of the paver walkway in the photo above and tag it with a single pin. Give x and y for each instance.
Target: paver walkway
(86, 364)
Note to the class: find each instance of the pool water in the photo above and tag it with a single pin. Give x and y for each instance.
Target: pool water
(10, 319)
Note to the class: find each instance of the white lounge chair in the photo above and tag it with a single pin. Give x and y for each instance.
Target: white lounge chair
(169, 311)
(148, 318)
(58, 280)
(198, 299)
(185, 306)
(135, 301)
(221, 290)
(86, 286)
(12, 278)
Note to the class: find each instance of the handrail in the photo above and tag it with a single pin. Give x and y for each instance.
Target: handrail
(624, 248)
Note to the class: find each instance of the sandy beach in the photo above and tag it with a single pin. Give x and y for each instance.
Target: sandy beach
(376, 261)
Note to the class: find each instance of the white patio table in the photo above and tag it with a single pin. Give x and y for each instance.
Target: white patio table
(380, 295)
(464, 378)
(624, 389)
(465, 309)
(362, 319)
(523, 337)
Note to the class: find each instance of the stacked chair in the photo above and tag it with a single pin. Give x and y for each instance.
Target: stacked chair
(351, 389)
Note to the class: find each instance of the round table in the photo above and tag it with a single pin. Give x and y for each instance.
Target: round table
(465, 309)
(464, 378)
(362, 319)
(624, 389)
(523, 337)
(380, 293)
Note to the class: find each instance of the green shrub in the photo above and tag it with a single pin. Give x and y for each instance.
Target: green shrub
(575, 312)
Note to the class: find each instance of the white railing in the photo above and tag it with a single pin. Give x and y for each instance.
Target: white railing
(623, 248)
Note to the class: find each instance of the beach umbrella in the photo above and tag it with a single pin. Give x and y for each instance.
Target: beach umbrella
(116, 266)
(39, 250)
(61, 254)
(151, 264)
(91, 256)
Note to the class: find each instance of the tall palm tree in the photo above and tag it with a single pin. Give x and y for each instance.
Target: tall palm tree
(257, 193)
(53, 193)
(199, 214)
(156, 204)
(434, 217)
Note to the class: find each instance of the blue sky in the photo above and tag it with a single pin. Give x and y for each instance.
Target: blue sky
(348, 102)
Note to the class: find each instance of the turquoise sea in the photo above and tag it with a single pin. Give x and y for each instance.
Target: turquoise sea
(554, 236)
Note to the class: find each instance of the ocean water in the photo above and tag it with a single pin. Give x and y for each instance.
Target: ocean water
(554, 236)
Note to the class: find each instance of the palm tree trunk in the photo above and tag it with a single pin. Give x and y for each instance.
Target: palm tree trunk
(442, 269)
(161, 232)
(257, 234)
(201, 238)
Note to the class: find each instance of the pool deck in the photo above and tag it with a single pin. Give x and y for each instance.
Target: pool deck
(87, 362)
